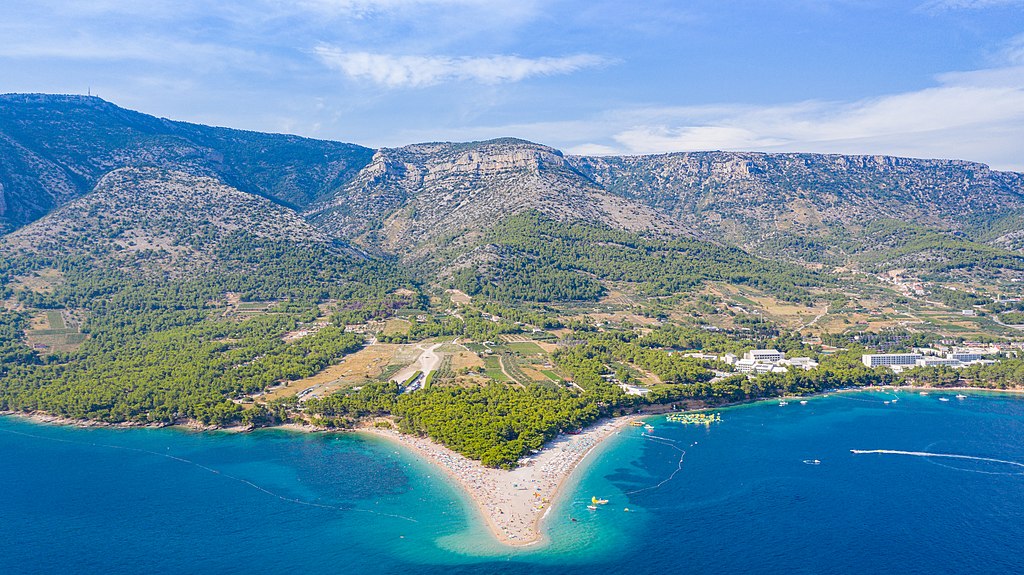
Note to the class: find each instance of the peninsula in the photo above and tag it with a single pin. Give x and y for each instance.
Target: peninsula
(513, 502)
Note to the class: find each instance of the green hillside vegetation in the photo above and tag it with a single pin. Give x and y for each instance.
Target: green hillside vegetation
(545, 260)
(160, 352)
(887, 243)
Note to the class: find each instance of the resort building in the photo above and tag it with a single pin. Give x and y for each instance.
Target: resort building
(964, 356)
(804, 363)
(758, 367)
(765, 355)
(890, 359)
(938, 361)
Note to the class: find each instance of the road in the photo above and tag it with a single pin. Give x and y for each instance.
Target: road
(427, 362)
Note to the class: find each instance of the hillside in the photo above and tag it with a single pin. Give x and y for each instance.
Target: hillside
(54, 149)
(769, 201)
(425, 193)
(158, 221)
(433, 204)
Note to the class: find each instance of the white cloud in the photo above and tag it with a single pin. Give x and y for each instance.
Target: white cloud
(972, 115)
(977, 115)
(418, 71)
(1013, 52)
(969, 4)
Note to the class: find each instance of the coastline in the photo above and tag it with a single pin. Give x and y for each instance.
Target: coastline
(513, 503)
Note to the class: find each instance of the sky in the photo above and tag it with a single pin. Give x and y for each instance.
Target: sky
(920, 78)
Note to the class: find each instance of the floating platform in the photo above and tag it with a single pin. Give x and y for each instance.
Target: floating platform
(695, 418)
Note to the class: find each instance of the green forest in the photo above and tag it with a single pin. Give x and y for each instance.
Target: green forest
(163, 349)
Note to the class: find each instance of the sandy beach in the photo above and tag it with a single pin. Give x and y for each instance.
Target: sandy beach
(513, 502)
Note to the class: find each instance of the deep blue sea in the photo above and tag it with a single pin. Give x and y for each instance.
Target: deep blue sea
(740, 496)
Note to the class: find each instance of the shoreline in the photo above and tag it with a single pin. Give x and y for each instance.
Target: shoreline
(513, 503)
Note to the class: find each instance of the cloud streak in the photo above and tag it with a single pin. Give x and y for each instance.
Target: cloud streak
(969, 4)
(977, 115)
(420, 71)
(934, 120)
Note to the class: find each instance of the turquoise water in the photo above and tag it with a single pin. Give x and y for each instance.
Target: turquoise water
(742, 496)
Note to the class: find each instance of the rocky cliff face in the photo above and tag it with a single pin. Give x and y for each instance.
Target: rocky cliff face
(417, 193)
(745, 197)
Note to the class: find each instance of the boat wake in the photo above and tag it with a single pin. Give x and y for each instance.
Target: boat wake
(929, 455)
(217, 472)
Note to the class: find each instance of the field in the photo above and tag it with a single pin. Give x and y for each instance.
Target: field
(395, 326)
(55, 331)
(493, 370)
(42, 281)
(372, 363)
(525, 348)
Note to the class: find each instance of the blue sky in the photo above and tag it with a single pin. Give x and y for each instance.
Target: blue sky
(924, 78)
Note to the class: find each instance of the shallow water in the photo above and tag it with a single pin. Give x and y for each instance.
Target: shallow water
(740, 496)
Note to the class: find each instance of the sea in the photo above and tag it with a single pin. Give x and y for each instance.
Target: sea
(934, 487)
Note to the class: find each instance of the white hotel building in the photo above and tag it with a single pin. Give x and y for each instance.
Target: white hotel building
(890, 359)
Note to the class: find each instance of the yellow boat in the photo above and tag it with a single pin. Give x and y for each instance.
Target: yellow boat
(597, 501)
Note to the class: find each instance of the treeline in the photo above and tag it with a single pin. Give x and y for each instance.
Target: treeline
(1005, 374)
(187, 372)
(927, 250)
(495, 424)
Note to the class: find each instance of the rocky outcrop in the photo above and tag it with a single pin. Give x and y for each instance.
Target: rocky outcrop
(411, 195)
(168, 222)
(743, 197)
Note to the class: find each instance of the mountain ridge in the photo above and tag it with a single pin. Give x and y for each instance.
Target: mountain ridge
(55, 148)
(432, 203)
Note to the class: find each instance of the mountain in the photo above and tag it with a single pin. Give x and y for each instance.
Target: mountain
(421, 193)
(158, 220)
(755, 199)
(54, 149)
(432, 205)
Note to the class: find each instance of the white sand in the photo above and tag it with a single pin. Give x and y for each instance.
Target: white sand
(513, 502)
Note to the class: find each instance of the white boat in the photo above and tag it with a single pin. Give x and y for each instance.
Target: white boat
(783, 402)
(961, 396)
(803, 402)
(943, 399)
(924, 393)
